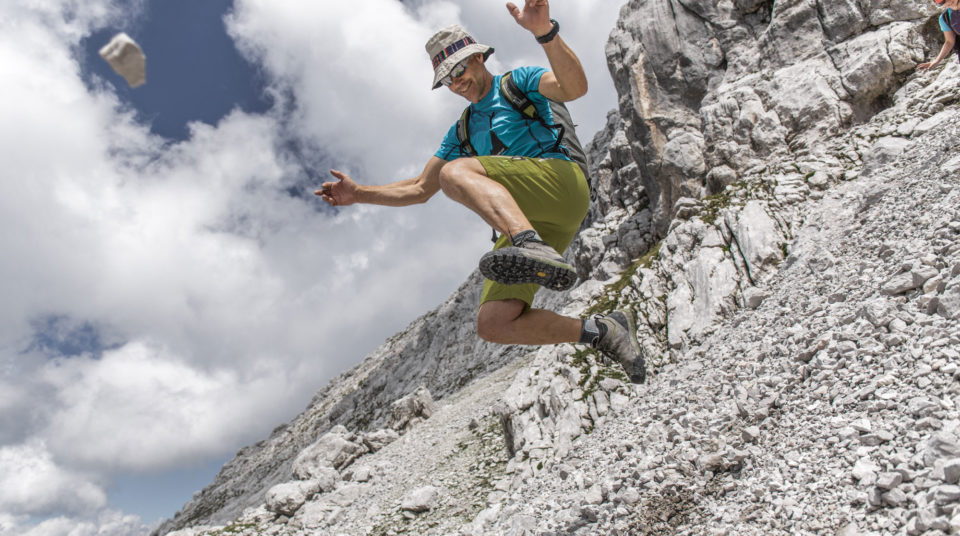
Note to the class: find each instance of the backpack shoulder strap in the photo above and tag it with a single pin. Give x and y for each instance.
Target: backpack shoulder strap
(517, 98)
(526, 107)
(463, 134)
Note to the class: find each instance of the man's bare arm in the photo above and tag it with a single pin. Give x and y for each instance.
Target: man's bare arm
(566, 80)
(402, 193)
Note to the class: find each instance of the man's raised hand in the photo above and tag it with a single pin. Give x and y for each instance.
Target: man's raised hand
(535, 16)
(339, 193)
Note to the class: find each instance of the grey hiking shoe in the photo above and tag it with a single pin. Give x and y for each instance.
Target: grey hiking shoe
(532, 261)
(618, 341)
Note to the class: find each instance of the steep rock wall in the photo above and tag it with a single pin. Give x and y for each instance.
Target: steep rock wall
(709, 89)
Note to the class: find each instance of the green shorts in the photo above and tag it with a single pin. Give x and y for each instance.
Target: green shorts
(552, 193)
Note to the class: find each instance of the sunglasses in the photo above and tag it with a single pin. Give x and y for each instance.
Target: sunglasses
(456, 72)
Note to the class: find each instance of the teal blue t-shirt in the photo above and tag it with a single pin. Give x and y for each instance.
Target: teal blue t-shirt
(497, 129)
(944, 25)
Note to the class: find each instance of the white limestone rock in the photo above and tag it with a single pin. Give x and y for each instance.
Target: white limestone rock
(757, 237)
(420, 499)
(126, 58)
(380, 438)
(406, 411)
(347, 494)
(358, 473)
(198, 530)
(708, 283)
(285, 499)
(313, 514)
(951, 470)
(899, 284)
(334, 450)
(948, 304)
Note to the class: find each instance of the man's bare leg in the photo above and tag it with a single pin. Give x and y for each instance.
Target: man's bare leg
(510, 322)
(531, 260)
(615, 334)
(465, 181)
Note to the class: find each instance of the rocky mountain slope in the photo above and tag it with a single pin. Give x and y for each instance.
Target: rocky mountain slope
(777, 197)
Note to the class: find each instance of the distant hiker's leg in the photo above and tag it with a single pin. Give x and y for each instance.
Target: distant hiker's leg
(465, 181)
(511, 322)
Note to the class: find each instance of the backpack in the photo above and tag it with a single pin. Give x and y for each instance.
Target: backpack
(567, 142)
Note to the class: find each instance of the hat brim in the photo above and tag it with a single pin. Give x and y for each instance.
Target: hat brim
(448, 64)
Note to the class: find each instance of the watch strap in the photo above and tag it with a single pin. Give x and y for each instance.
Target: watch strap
(546, 38)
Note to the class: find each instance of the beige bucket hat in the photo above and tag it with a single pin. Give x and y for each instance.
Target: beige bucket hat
(449, 47)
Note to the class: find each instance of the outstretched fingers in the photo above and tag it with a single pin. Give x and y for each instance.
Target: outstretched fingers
(514, 10)
(334, 192)
(533, 16)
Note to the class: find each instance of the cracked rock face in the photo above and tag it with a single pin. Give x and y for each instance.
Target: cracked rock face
(708, 88)
(776, 198)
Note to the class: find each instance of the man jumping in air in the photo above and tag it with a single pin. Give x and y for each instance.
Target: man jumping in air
(516, 175)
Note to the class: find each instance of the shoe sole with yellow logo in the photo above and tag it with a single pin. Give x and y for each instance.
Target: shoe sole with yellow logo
(532, 262)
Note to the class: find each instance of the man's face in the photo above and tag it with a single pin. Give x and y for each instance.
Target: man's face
(952, 4)
(471, 84)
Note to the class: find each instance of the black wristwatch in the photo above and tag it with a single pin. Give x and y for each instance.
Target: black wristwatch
(546, 38)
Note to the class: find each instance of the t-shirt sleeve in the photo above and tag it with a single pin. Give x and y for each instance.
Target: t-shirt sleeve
(944, 25)
(450, 146)
(528, 78)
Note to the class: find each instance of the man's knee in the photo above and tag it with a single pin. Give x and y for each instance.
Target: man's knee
(449, 173)
(488, 326)
(495, 317)
(454, 173)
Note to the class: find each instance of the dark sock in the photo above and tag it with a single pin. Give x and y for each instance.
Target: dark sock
(524, 236)
(590, 331)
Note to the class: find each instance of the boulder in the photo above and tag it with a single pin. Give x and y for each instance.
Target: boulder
(420, 499)
(405, 412)
(334, 450)
(285, 499)
(379, 439)
(949, 302)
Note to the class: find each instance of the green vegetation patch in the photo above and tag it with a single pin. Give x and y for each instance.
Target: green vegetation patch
(234, 528)
(584, 360)
(712, 206)
(608, 300)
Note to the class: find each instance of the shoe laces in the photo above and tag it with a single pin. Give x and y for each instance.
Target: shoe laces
(523, 237)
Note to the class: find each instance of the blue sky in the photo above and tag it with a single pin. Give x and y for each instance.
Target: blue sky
(172, 290)
(200, 74)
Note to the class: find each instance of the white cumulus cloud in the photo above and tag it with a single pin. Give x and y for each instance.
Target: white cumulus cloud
(138, 408)
(107, 523)
(31, 483)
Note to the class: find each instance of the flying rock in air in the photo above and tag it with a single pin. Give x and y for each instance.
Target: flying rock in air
(126, 58)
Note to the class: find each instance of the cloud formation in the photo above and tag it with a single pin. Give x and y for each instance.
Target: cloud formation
(31, 483)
